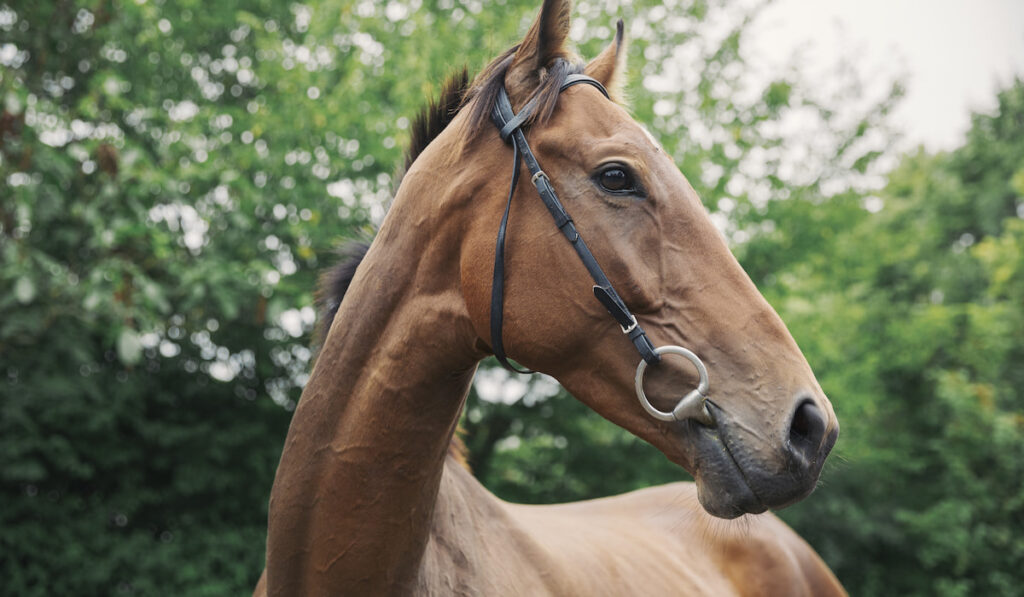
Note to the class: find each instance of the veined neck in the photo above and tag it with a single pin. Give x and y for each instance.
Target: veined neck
(358, 479)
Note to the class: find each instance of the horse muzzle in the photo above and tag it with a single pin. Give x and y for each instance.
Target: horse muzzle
(738, 472)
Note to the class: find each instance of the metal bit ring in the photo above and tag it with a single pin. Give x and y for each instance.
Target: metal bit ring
(691, 406)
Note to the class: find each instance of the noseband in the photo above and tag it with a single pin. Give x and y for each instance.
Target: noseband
(510, 127)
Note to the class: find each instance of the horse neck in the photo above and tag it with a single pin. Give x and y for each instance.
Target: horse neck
(358, 479)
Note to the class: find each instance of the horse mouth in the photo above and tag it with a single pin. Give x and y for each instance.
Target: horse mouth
(738, 472)
(722, 487)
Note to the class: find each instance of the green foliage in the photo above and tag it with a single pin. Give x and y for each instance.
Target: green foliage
(173, 176)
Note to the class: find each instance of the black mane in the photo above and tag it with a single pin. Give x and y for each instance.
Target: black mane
(437, 115)
(334, 283)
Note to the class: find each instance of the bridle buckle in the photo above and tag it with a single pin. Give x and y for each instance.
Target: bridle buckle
(631, 327)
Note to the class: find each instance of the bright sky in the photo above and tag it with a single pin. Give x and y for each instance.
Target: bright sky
(955, 53)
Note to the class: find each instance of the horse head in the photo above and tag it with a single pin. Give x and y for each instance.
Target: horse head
(767, 426)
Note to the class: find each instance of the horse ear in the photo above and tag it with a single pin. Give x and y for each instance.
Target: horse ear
(610, 65)
(544, 42)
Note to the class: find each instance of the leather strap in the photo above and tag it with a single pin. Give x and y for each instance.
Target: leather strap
(498, 281)
(510, 128)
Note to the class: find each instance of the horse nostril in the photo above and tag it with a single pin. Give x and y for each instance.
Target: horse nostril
(807, 429)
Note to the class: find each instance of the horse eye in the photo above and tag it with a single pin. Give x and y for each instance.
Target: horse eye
(616, 180)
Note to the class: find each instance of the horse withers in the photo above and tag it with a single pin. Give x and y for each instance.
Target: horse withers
(367, 499)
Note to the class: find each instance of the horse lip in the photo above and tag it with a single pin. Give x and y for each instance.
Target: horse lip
(723, 488)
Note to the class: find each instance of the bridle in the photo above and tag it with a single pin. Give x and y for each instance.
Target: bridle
(510, 127)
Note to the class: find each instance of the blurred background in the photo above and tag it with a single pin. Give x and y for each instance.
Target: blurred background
(173, 176)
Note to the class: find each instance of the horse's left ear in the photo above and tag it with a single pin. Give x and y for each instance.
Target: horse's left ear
(610, 65)
(544, 42)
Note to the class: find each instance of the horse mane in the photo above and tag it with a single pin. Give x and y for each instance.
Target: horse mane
(437, 114)
(333, 284)
(457, 94)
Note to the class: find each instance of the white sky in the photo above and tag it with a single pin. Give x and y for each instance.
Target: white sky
(955, 53)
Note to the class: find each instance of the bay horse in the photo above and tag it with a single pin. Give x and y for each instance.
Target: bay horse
(368, 500)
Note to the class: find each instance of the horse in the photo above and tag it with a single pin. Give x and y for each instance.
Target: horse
(368, 498)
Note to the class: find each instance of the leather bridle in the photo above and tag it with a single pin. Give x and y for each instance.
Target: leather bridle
(510, 127)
